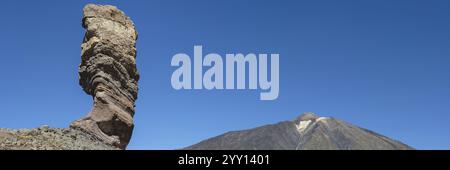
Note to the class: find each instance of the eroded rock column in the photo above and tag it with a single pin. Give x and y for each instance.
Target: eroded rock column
(108, 73)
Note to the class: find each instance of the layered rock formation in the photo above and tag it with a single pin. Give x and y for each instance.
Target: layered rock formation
(108, 73)
(307, 132)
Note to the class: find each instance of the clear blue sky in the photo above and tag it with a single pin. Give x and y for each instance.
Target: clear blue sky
(383, 65)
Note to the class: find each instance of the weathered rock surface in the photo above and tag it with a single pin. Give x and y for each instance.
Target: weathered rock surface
(45, 138)
(307, 132)
(108, 73)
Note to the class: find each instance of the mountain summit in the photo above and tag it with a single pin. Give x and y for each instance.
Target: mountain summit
(307, 132)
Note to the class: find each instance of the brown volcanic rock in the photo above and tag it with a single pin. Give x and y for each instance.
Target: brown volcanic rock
(108, 73)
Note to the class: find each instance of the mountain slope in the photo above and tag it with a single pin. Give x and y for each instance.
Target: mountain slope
(307, 132)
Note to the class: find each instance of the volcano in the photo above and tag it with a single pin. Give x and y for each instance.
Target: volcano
(307, 132)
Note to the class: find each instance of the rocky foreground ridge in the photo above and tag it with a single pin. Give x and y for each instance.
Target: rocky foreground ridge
(46, 138)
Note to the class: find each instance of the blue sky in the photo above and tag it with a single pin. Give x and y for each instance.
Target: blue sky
(382, 65)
